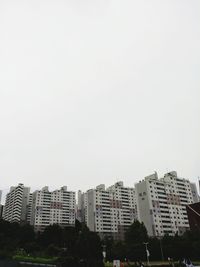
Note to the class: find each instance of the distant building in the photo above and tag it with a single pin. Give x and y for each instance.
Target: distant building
(109, 212)
(47, 208)
(15, 209)
(193, 211)
(159, 203)
(1, 210)
(194, 192)
(29, 208)
(1, 206)
(162, 203)
(81, 208)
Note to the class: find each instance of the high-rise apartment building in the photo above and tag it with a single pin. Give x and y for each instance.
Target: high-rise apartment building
(123, 206)
(81, 208)
(57, 207)
(162, 203)
(194, 192)
(108, 211)
(29, 209)
(159, 203)
(1, 210)
(1, 206)
(0, 195)
(15, 209)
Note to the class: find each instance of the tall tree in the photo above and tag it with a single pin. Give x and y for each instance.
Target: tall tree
(135, 236)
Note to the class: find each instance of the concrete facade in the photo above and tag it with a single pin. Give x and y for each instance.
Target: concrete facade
(1, 210)
(15, 209)
(162, 203)
(110, 211)
(56, 207)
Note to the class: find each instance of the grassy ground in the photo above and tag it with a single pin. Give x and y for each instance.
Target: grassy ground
(34, 259)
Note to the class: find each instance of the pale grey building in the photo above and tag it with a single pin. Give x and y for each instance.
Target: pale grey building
(109, 212)
(52, 207)
(15, 209)
(162, 203)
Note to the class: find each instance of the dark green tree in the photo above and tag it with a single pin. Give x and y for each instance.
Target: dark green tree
(26, 234)
(52, 234)
(135, 236)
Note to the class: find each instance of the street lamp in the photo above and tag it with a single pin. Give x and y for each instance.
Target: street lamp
(104, 252)
(64, 247)
(147, 252)
(161, 247)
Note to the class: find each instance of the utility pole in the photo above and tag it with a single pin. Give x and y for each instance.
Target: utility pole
(161, 248)
(147, 252)
(104, 253)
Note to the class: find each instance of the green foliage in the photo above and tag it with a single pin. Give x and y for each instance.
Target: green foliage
(134, 239)
(119, 250)
(52, 250)
(77, 246)
(34, 259)
(14, 236)
(69, 244)
(53, 234)
(136, 234)
(133, 249)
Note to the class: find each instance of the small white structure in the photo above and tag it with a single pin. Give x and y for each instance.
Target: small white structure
(116, 263)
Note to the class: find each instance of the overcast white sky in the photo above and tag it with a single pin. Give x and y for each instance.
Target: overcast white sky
(98, 91)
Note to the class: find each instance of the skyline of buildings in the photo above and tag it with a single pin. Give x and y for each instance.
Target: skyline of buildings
(160, 203)
(4, 190)
(40, 208)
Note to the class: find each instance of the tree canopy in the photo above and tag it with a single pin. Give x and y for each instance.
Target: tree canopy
(74, 245)
(71, 245)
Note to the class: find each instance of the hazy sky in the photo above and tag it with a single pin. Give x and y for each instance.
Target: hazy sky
(98, 91)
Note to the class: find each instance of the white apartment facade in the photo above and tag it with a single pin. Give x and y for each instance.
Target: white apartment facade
(123, 207)
(162, 203)
(15, 209)
(48, 208)
(1, 206)
(110, 211)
